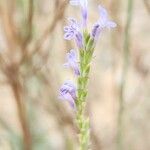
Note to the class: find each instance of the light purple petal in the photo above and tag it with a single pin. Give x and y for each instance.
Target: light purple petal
(73, 21)
(111, 24)
(76, 70)
(72, 61)
(83, 3)
(95, 30)
(71, 29)
(102, 23)
(66, 65)
(72, 103)
(68, 36)
(66, 28)
(104, 20)
(84, 16)
(79, 40)
(68, 98)
(103, 12)
(68, 92)
(103, 16)
(68, 87)
(72, 55)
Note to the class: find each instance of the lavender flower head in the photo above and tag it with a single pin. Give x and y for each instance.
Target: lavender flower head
(102, 23)
(72, 61)
(72, 31)
(68, 92)
(83, 4)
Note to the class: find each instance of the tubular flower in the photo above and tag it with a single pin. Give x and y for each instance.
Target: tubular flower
(72, 31)
(83, 4)
(68, 92)
(72, 61)
(79, 40)
(102, 23)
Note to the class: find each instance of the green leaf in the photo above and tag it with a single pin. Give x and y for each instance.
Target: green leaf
(87, 70)
(81, 53)
(90, 45)
(87, 38)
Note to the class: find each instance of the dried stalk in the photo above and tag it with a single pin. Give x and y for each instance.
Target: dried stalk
(126, 54)
(147, 5)
(57, 17)
(29, 23)
(12, 36)
(13, 77)
(115, 6)
(38, 44)
(14, 40)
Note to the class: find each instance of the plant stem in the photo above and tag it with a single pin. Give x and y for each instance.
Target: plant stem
(82, 120)
(126, 53)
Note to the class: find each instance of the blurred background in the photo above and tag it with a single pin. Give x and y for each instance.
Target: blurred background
(32, 54)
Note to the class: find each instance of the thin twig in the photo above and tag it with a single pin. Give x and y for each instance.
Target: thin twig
(57, 17)
(13, 77)
(147, 5)
(29, 23)
(126, 54)
(12, 34)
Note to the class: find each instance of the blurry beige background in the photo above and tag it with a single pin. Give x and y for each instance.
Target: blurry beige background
(32, 53)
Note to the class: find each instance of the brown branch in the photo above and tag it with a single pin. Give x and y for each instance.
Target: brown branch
(147, 5)
(29, 23)
(3, 64)
(12, 35)
(57, 17)
(12, 75)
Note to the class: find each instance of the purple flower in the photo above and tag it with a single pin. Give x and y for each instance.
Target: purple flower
(96, 31)
(79, 40)
(72, 31)
(83, 4)
(102, 23)
(72, 61)
(68, 92)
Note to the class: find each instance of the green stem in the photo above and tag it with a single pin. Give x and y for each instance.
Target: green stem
(126, 53)
(82, 120)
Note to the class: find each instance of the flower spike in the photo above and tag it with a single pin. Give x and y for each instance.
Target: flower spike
(68, 92)
(83, 4)
(85, 42)
(102, 23)
(72, 61)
